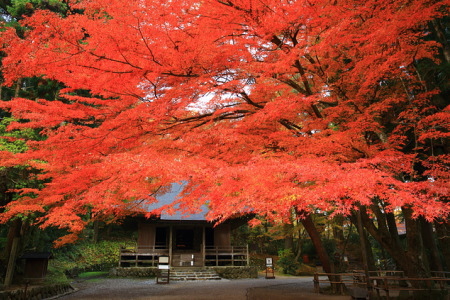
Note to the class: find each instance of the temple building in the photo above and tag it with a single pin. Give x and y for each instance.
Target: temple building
(188, 240)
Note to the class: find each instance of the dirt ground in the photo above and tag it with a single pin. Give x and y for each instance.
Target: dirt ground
(280, 288)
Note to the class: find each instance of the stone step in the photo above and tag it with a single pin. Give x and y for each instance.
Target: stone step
(194, 274)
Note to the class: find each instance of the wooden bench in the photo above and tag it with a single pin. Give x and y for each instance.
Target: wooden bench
(339, 280)
(396, 283)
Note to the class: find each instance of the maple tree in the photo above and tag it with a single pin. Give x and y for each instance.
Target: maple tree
(261, 106)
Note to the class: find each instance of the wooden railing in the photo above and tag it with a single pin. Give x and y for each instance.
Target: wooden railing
(385, 281)
(388, 284)
(146, 256)
(226, 256)
(143, 256)
(339, 281)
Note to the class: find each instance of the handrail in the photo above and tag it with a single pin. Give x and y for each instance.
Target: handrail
(224, 254)
(143, 249)
(216, 254)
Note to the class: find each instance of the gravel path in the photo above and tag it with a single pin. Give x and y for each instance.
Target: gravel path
(280, 288)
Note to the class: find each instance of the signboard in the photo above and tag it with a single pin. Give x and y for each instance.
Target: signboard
(163, 275)
(270, 272)
(163, 260)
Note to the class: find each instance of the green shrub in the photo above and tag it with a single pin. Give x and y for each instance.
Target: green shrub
(76, 258)
(287, 262)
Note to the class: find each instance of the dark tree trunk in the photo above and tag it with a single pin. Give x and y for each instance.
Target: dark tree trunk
(314, 234)
(338, 232)
(288, 229)
(408, 261)
(12, 249)
(429, 242)
(443, 240)
(95, 232)
(415, 249)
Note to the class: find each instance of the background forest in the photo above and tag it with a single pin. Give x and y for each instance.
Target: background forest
(329, 120)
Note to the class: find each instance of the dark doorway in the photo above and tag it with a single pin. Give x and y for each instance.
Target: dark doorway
(209, 237)
(161, 238)
(184, 239)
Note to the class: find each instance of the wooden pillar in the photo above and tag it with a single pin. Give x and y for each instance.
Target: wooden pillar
(203, 245)
(170, 244)
(248, 257)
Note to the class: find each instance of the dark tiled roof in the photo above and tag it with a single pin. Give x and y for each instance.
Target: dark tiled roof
(171, 196)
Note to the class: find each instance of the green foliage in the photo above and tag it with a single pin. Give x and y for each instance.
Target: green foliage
(20, 8)
(287, 262)
(104, 252)
(14, 141)
(92, 274)
(85, 255)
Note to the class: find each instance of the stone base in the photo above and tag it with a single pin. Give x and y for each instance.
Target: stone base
(224, 272)
(37, 293)
(236, 272)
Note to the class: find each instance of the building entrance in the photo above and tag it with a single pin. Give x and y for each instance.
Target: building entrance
(184, 239)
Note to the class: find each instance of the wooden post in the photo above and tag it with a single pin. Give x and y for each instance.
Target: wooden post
(316, 283)
(203, 245)
(248, 257)
(170, 244)
(217, 257)
(232, 256)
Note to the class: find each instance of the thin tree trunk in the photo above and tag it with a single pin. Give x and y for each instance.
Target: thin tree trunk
(18, 86)
(95, 232)
(299, 244)
(288, 229)
(12, 248)
(338, 232)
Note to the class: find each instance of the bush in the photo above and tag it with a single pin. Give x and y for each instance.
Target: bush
(287, 262)
(85, 256)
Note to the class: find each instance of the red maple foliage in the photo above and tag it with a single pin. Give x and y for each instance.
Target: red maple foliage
(260, 105)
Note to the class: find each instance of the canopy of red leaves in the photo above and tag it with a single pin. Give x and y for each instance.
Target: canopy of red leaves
(260, 105)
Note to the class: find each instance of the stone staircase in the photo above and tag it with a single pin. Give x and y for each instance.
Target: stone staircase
(191, 274)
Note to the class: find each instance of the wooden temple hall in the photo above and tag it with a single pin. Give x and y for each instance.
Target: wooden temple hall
(188, 240)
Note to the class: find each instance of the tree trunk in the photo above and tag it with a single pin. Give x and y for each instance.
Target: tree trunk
(443, 239)
(429, 242)
(288, 229)
(338, 232)
(308, 223)
(18, 86)
(439, 29)
(405, 260)
(12, 248)
(299, 245)
(95, 232)
(415, 249)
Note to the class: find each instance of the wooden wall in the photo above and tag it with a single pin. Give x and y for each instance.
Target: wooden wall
(146, 235)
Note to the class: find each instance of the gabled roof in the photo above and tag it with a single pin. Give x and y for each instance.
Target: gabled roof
(169, 198)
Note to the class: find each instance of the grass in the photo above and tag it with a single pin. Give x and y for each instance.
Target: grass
(88, 275)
